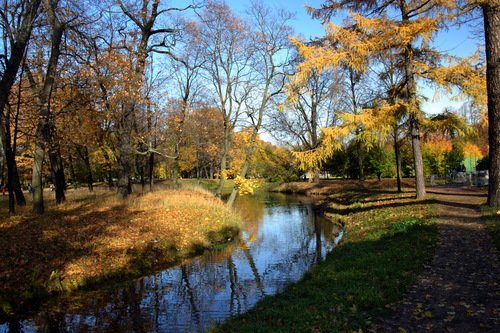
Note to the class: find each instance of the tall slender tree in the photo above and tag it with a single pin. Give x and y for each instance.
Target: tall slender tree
(18, 19)
(224, 37)
(491, 14)
(44, 137)
(269, 64)
(144, 17)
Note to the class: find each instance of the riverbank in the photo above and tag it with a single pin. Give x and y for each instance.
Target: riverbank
(389, 238)
(95, 237)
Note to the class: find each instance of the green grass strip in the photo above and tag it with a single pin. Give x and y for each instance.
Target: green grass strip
(491, 218)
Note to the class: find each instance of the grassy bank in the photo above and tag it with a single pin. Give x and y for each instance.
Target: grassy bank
(388, 239)
(491, 218)
(95, 237)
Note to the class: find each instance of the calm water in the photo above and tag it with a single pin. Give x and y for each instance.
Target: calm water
(282, 238)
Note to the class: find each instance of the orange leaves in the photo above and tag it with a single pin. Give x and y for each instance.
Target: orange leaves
(438, 145)
(435, 151)
(115, 77)
(472, 151)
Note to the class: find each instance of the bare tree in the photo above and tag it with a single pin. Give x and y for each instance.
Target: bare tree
(227, 51)
(144, 16)
(270, 62)
(186, 66)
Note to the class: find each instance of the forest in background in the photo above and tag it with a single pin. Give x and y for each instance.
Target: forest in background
(133, 91)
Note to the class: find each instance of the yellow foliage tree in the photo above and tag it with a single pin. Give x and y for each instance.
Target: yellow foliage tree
(403, 29)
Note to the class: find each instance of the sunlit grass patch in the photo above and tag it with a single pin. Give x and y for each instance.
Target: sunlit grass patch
(96, 236)
(388, 239)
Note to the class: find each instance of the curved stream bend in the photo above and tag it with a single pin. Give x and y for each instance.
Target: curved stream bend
(281, 240)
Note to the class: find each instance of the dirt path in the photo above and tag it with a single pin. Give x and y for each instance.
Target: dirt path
(460, 290)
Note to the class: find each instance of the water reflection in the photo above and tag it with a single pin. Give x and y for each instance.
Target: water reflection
(281, 240)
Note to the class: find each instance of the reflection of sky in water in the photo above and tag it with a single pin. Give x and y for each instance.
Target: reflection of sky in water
(191, 297)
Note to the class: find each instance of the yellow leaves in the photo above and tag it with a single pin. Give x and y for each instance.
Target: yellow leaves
(103, 155)
(354, 45)
(427, 314)
(247, 186)
(435, 150)
(372, 126)
(469, 74)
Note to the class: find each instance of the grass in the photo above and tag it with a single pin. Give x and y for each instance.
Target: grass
(95, 237)
(491, 218)
(388, 239)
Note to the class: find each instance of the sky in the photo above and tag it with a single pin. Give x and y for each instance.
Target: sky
(461, 42)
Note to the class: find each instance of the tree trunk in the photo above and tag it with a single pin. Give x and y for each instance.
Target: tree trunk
(417, 158)
(176, 166)
(88, 167)
(414, 112)
(83, 152)
(110, 177)
(125, 153)
(58, 174)
(13, 184)
(359, 150)
(44, 133)
(18, 48)
(10, 188)
(37, 176)
(223, 161)
(397, 154)
(151, 164)
(143, 178)
(72, 173)
(491, 14)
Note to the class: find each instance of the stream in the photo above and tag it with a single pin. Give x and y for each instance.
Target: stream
(282, 238)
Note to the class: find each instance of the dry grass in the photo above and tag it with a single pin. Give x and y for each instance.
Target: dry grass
(96, 236)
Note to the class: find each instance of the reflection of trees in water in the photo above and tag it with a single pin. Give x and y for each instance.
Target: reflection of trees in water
(220, 284)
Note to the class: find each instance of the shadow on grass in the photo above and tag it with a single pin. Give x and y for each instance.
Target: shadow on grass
(359, 207)
(357, 203)
(462, 194)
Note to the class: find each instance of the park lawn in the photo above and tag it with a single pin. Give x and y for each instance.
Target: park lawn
(94, 238)
(388, 239)
(491, 218)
